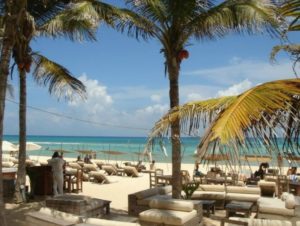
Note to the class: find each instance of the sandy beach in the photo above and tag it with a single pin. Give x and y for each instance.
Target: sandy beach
(117, 192)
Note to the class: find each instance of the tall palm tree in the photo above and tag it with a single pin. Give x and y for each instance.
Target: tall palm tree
(17, 13)
(264, 112)
(60, 80)
(174, 23)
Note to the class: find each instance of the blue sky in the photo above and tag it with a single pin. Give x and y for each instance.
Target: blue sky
(127, 86)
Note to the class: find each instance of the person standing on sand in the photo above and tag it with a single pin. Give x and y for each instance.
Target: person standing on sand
(57, 164)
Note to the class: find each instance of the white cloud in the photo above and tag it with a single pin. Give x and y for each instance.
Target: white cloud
(235, 89)
(98, 100)
(239, 69)
(156, 98)
(194, 96)
(154, 109)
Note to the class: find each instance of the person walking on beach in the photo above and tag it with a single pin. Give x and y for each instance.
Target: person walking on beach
(57, 164)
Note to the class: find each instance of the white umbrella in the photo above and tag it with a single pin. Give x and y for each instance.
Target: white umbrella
(7, 146)
(30, 146)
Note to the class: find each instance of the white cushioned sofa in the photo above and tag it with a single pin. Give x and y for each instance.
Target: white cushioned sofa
(222, 194)
(236, 221)
(286, 208)
(170, 213)
(211, 192)
(246, 194)
(139, 201)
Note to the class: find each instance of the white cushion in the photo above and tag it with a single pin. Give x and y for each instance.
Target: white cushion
(284, 196)
(211, 187)
(290, 202)
(209, 195)
(242, 197)
(179, 205)
(60, 215)
(168, 217)
(103, 222)
(260, 222)
(242, 190)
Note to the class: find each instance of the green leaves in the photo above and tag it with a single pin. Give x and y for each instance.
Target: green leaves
(266, 112)
(59, 79)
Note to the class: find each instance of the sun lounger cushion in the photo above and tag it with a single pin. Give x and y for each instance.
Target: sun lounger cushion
(109, 169)
(168, 217)
(99, 177)
(89, 167)
(131, 171)
(103, 222)
(179, 205)
(74, 165)
(290, 202)
(259, 222)
(71, 171)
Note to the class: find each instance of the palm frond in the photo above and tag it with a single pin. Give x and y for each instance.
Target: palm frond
(292, 49)
(252, 107)
(242, 16)
(259, 116)
(78, 22)
(192, 116)
(45, 10)
(60, 81)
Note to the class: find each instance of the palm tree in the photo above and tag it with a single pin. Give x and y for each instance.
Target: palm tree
(175, 23)
(16, 19)
(60, 80)
(264, 112)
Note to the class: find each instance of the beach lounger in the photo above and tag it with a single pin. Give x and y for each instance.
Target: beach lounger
(98, 177)
(74, 165)
(110, 169)
(89, 167)
(131, 171)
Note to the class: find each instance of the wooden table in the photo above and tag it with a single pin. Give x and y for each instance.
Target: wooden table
(209, 206)
(237, 206)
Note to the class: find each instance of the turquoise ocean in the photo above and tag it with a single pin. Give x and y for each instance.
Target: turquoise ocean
(128, 146)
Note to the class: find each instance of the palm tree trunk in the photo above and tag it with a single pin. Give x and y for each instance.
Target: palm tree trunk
(21, 174)
(6, 52)
(173, 70)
